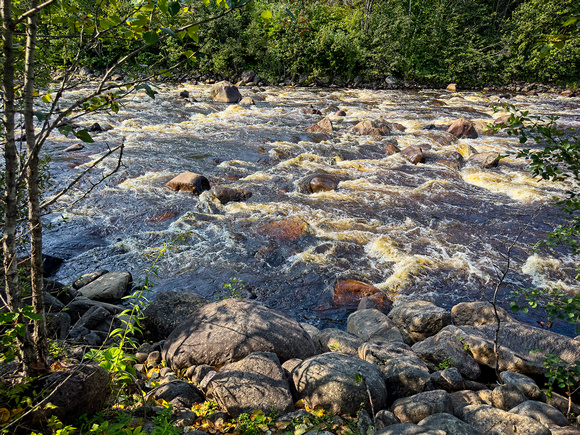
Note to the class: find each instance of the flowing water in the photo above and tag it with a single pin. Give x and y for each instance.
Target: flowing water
(438, 231)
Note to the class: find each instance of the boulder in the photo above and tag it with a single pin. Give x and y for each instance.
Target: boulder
(322, 183)
(447, 423)
(350, 292)
(225, 92)
(372, 128)
(418, 320)
(229, 330)
(385, 418)
(366, 304)
(81, 304)
(184, 94)
(561, 403)
(415, 408)
(88, 278)
(485, 160)
(93, 317)
(247, 101)
(391, 148)
(477, 314)
(447, 348)
(463, 398)
(336, 340)
(507, 397)
(75, 147)
(462, 128)
(523, 383)
(189, 182)
(255, 382)
(403, 371)
(109, 287)
(372, 324)
(227, 194)
(178, 393)
(248, 76)
(322, 126)
(414, 154)
(489, 420)
(541, 412)
(340, 113)
(285, 230)
(340, 383)
(449, 380)
(452, 87)
(408, 429)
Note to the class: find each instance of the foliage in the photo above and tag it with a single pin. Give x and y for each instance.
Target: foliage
(233, 288)
(12, 326)
(447, 363)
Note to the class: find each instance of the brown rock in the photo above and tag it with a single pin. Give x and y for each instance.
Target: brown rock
(442, 138)
(397, 126)
(372, 128)
(503, 119)
(463, 128)
(350, 292)
(485, 160)
(190, 182)
(227, 194)
(225, 92)
(477, 314)
(286, 230)
(414, 154)
(340, 113)
(248, 101)
(322, 183)
(322, 126)
(567, 93)
(75, 147)
(391, 149)
(452, 87)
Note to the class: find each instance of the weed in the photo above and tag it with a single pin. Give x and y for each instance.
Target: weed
(233, 290)
(447, 363)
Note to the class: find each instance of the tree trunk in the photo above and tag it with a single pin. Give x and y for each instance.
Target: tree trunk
(13, 296)
(39, 333)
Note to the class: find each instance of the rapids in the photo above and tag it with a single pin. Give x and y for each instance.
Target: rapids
(437, 231)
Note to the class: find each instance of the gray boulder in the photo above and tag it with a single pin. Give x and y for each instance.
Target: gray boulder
(167, 311)
(385, 418)
(448, 380)
(448, 423)
(506, 397)
(493, 421)
(109, 287)
(340, 383)
(523, 383)
(88, 278)
(248, 76)
(418, 320)
(415, 408)
(477, 314)
(408, 429)
(372, 324)
(565, 430)
(229, 330)
(81, 304)
(255, 382)
(541, 412)
(178, 393)
(463, 398)
(336, 340)
(404, 372)
(225, 92)
(485, 160)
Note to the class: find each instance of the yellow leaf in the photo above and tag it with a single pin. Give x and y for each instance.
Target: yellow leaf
(17, 411)
(118, 406)
(267, 15)
(56, 367)
(47, 98)
(35, 93)
(4, 415)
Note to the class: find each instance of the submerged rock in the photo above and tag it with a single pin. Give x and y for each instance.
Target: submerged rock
(225, 92)
(189, 182)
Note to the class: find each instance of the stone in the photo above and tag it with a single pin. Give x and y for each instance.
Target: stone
(248, 76)
(372, 128)
(178, 393)
(463, 398)
(322, 126)
(418, 320)
(541, 412)
(311, 330)
(229, 330)
(506, 397)
(336, 340)
(199, 373)
(448, 423)
(350, 292)
(225, 92)
(93, 317)
(366, 303)
(247, 101)
(397, 126)
(489, 420)
(340, 113)
(372, 324)
(414, 154)
(403, 371)
(189, 182)
(109, 287)
(415, 408)
(447, 348)
(285, 230)
(449, 380)
(567, 93)
(485, 160)
(310, 110)
(391, 148)
(561, 403)
(565, 430)
(184, 94)
(385, 418)
(462, 128)
(408, 429)
(452, 87)
(88, 278)
(523, 383)
(477, 314)
(81, 304)
(227, 194)
(58, 325)
(322, 183)
(255, 382)
(75, 147)
(330, 380)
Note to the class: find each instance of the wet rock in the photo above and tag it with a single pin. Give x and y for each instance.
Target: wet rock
(567, 93)
(403, 371)
(391, 148)
(506, 397)
(477, 314)
(447, 423)
(248, 76)
(350, 292)
(229, 330)
(448, 380)
(485, 160)
(109, 287)
(322, 126)
(88, 278)
(372, 128)
(452, 87)
(285, 230)
(415, 408)
(247, 101)
(225, 92)
(523, 383)
(418, 320)
(189, 182)
(310, 110)
(447, 348)
(184, 94)
(414, 154)
(442, 138)
(255, 382)
(565, 430)
(397, 126)
(336, 340)
(330, 380)
(385, 418)
(489, 420)
(178, 393)
(541, 412)
(75, 147)
(372, 324)
(207, 203)
(462, 128)
(340, 113)
(323, 183)
(227, 194)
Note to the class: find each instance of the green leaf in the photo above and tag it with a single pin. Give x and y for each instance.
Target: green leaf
(570, 21)
(84, 136)
(267, 15)
(173, 8)
(65, 130)
(192, 32)
(357, 378)
(162, 4)
(150, 37)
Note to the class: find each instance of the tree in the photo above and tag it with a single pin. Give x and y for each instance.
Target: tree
(30, 30)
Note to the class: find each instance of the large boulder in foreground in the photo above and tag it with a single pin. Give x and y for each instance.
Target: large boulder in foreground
(415, 408)
(229, 330)
(493, 421)
(418, 320)
(478, 313)
(340, 383)
(225, 92)
(109, 287)
(256, 382)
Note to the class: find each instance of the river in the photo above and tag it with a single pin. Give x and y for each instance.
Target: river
(438, 231)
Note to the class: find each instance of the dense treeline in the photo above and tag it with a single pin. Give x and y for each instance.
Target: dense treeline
(472, 42)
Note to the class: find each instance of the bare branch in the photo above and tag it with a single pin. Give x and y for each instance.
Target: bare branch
(33, 11)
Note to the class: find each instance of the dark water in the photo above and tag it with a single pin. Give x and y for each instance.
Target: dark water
(437, 231)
